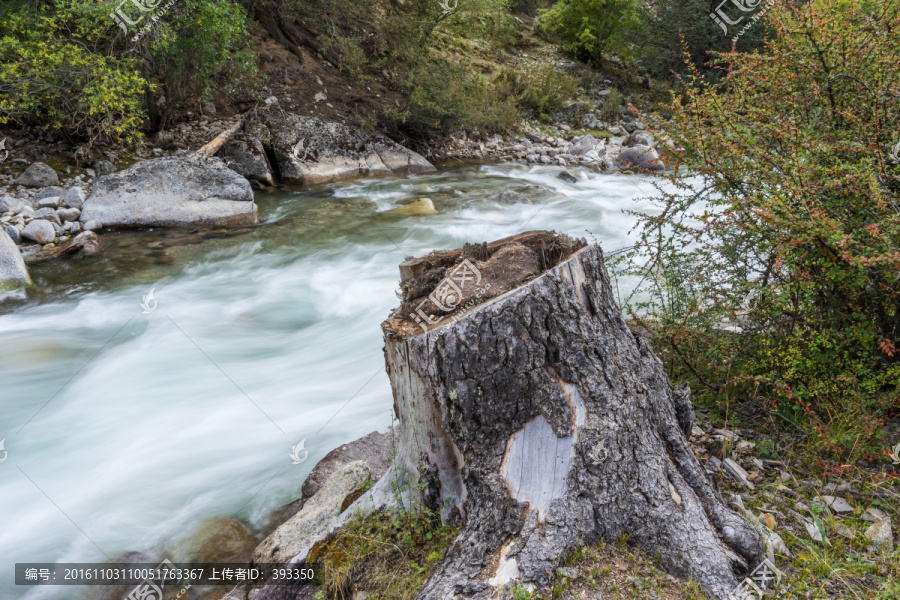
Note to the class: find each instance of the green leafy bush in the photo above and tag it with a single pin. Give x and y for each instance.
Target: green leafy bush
(773, 261)
(66, 65)
(56, 71)
(198, 46)
(444, 97)
(591, 29)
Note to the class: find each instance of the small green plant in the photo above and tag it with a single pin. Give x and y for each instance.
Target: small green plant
(612, 107)
(543, 89)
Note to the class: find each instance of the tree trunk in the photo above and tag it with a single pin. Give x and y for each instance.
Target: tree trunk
(541, 421)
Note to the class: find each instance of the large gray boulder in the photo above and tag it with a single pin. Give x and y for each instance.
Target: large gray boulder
(310, 151)
(642, 157)
(175, 191)
(38, 175)
(13, 273)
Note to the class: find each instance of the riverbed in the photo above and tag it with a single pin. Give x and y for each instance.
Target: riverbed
(166, 380)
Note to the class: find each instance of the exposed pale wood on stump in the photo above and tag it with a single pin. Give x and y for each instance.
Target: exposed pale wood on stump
(543, 422)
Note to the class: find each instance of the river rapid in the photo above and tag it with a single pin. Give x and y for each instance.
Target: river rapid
(127, 427)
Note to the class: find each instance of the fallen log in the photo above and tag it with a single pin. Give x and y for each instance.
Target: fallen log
(220, 140)
(531, 413)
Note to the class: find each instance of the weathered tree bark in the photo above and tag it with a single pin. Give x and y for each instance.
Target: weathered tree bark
(542, 422)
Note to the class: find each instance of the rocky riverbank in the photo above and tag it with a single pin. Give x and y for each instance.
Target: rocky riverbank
(50, 209)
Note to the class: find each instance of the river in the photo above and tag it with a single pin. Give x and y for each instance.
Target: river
(126, 427)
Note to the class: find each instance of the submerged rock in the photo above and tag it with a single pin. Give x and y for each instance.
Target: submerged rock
(511, 197)
(218, 540)
(173, 191)
(85, 243)
(13, 273)
(420, 207)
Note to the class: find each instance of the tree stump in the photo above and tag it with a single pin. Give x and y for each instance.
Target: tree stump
(530, 411)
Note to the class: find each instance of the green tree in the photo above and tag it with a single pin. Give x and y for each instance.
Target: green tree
(675, 26)
(591, 29)
(197, 47)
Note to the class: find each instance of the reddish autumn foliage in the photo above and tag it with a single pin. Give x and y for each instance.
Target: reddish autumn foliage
(774, 265)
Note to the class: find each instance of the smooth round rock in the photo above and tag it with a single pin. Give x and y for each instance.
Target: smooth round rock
(68, 214)
(39, 231)
(14, 234)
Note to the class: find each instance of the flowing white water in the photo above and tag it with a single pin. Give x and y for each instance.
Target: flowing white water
(125, 430)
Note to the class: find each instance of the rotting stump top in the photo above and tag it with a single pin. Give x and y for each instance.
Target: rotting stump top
(445, 285)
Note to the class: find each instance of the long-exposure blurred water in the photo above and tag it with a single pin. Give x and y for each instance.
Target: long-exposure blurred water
(126, 429)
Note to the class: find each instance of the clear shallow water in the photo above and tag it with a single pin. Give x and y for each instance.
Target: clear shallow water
(126, 430)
